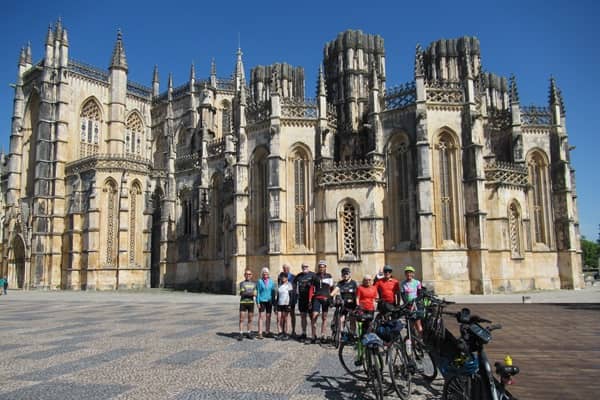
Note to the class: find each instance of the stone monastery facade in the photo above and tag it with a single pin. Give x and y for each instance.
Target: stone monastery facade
(111, 184)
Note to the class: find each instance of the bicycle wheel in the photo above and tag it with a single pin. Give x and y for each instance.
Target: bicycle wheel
(425, 363)
(400, 373)
(375, 372)
(348, 354)
(457, 388)
(336, 329)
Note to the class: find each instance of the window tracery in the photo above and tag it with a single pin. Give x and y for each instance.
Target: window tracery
(90, 118)
(134, 134)
(538, 177)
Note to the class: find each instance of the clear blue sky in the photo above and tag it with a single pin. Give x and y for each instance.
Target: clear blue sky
(532, 39)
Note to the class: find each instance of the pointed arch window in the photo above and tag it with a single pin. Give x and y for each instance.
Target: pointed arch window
(299, 163)
(134, 196)
(448, 167)
(259, 199)
(217, 214)
(110, 189)
(226, 118)
(90, 123)
(399, 184)
(514, 229)
(134, 135)
(538, 177)
(348, 240)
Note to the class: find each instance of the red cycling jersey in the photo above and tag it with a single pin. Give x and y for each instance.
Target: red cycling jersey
(388, 289)
(366, 297)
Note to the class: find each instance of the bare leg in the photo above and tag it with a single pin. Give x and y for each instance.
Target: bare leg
(313, 323)
(242, 320)
(268, 323)
(323, 323)
(250, 316)
(303, 322)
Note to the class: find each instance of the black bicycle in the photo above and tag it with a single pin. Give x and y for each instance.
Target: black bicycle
(468, 373)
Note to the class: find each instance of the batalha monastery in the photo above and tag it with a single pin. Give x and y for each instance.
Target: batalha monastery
(110, 184)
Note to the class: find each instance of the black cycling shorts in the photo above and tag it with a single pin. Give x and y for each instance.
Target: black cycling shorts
(303, 304)
(265, 306)
(284, 308)
(320, 304)
(247, 307)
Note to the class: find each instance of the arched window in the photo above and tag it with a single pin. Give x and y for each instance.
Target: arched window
(134, 197)
(90, 128)
(216, 203)
(225, 118)
(299, 171)
(514, 229)
(259, 215)
(399, 184)
(187, 212)
(447, 186)
(134, 135)
(110, 189)
(538, 178)
(348, 231)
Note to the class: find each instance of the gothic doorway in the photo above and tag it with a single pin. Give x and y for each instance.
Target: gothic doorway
(19, 261)
(155, 242)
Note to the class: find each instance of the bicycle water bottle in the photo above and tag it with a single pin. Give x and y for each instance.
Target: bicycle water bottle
(508, 361)
(408, 347)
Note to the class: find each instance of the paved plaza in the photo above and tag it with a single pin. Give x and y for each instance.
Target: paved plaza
(174, 345)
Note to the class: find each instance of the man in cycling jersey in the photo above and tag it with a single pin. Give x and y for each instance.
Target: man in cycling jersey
(388, 287)
(302, 283)
(345, 293)
(247, 291)
(321, 287)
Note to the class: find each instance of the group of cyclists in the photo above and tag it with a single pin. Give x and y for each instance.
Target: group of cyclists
(314, 292)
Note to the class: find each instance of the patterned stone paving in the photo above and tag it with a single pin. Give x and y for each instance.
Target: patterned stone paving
(160, 345)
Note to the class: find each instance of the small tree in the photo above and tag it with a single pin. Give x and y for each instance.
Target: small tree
(591, 252)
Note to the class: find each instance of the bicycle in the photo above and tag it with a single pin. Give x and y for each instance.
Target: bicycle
(469, 375)
(336, 322)
(351, 350)
(374, 362)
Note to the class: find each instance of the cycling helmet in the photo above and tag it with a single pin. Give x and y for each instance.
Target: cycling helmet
(409, 268)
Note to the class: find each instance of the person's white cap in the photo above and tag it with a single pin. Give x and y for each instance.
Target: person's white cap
(264, 270)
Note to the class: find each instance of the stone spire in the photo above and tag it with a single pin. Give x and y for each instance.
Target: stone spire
(22, 56)
(321, 82)
(419, 67)
(119, 60)
(50, 36)
(512, 90)
(155, 82)
(553, 96)
(170, 87)
(28, 54)
(192, 72)
(213, 73)
(240, 78)
(65, 37)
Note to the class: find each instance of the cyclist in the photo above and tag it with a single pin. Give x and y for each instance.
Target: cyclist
(409, 289)
(265, 296)
(284, 296)
(367, 296)
(247, 292)
(345, 292)
(388, 288)
(320, 291)
(302, 283)
(293, 299)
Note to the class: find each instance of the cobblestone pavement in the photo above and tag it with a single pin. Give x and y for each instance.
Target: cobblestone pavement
(164, 345)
